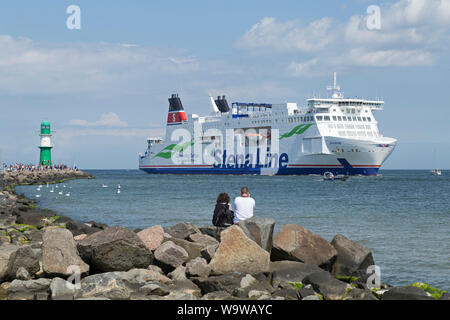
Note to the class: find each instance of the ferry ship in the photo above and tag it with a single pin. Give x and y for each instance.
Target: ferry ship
(333, 134)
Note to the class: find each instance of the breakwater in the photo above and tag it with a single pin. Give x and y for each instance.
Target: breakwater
(182, 261)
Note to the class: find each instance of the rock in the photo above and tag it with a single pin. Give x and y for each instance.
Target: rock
(237, 252)
(79, 228)
(218, 295)
(406, 293)
(306, 291)
(291, 271)
(208, 252)
(29, 290)
(182, 230)
(13, 257)
(152, 237)
(198, 267)
(59, 252)
(170, 255)
(212, 231)
(359, 294)
(179, 274)
(35, 217)
(257, 294)
(135, 277)
(351, 256)
(312, 297)
(80, 237)
(327, 285)
(259, 230)
(22, 274)
(60, 289)
(105, 285)
(288, 293)
(155, 269)
(203, 240)
(228, 282)
(115, 249)
(296, 243)
(194, 250)
(249, 283)
(445, 296)
(185, 287)
(180, 296)
(3, 290)
(154, 289)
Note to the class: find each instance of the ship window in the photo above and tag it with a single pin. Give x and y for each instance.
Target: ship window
(364, 119)
(354, 118)
(369, 119)
(344, 118)
(334, 118)
(326, 118)
(339, 118)
(319, 118)
(359, 119)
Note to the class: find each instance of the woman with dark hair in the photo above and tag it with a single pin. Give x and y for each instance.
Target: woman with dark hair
(223, 215)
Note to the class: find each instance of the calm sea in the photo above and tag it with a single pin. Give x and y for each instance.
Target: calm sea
(402, 216)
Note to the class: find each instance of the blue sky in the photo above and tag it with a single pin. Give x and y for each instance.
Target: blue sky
(105, 87)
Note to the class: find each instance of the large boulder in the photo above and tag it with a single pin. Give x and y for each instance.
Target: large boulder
(296, 243)
(351, 256)
(327, 285)
(13, 257)
(182, 230)
(114, 249)
(259, 230)
(29, 290)
(60, 254)
(291, 271)
(406, 293)
(170, 255)
(152, 237)
(237, 252)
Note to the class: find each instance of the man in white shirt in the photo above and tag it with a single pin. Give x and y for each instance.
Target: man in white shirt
(243, 206)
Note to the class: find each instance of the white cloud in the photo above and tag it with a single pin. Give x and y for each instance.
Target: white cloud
(413, 33)
(287, 36)
(106, 120)
(29, 67)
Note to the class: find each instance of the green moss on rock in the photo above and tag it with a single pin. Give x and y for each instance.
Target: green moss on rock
(434, 292)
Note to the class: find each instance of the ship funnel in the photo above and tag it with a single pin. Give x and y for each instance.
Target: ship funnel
(176, 111)
(222, 104)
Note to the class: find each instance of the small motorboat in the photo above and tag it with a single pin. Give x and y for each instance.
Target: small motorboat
(436, 172)
(329, 176)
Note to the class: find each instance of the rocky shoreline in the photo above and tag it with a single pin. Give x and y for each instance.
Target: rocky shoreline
(45, 256)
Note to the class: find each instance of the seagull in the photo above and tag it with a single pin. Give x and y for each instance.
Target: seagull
(68, 194)
(60, 192)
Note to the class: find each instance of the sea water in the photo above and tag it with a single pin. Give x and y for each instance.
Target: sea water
(402, 216)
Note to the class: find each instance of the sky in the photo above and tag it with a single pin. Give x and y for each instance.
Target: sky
(104, 87)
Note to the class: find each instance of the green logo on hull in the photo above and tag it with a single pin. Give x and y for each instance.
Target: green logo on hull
(297, 130)
(170, 150)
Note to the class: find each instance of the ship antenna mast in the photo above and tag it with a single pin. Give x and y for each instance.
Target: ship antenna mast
(335, 88)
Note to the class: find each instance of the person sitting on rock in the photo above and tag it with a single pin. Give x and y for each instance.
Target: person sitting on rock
(244, 206)
(223, 215)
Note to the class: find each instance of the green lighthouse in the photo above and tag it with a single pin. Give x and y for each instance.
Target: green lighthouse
(46, 144)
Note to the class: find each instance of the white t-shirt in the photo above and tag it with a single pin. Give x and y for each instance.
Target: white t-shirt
(243, 208)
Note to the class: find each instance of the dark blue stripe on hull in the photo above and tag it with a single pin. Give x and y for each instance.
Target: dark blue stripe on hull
(248, 171)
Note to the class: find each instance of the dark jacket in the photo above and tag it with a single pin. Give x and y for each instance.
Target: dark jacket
(223, 216)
